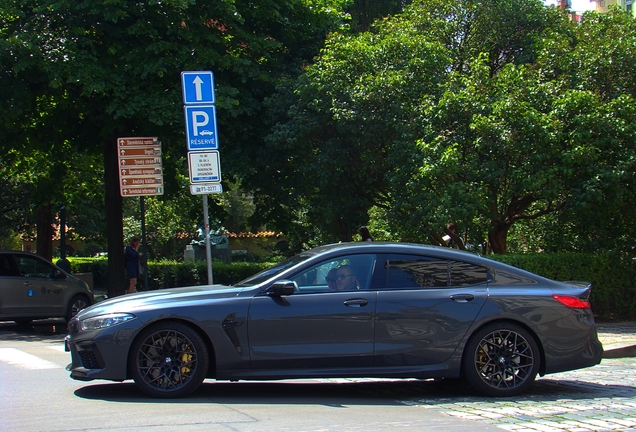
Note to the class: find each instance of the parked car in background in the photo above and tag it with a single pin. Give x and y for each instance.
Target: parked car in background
(33, 288)
(366, 309)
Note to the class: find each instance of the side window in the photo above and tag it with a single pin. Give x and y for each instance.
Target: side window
(7, 267)
(414, 272)
(346, 273)
(464, 274)
(33, 267)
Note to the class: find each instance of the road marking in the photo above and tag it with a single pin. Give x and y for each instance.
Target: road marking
(25, 361)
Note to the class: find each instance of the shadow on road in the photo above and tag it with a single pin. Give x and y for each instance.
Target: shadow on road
(51, 330)
(346, 393)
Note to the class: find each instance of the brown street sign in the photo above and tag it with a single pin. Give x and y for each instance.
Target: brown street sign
(136, 151)
(139, 141)
(152, 171)
(141, 170)
(141, 191)
(141, 181)
(139, 161)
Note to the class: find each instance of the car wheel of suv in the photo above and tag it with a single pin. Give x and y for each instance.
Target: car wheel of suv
(168, 360)
(501, 359)
(77, 303)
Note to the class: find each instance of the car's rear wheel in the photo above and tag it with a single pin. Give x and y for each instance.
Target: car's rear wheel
(168, 360)
(501, 359)
(77, 303)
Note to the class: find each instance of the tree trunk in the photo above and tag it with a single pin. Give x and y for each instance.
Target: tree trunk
(44, 224)
(497, 237)
(114, 221)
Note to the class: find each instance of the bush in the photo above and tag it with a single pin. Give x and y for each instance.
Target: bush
(171, 274)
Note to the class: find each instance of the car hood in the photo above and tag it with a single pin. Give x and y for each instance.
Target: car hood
(132, 303)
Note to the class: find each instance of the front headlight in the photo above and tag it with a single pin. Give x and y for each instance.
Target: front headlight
(103, 321)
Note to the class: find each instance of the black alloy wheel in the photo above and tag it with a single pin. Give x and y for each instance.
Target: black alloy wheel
(168, 360)
(77, 303)
(501, 359)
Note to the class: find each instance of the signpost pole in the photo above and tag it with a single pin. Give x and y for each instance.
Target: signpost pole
(202, 143)
(144, 249)
(208, 250)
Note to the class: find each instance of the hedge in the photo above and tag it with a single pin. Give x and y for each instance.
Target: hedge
(170, 274)
(613, 276)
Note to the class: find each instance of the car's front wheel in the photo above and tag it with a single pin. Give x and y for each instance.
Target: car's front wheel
(77, 303)
(501, 359)
(168, 360)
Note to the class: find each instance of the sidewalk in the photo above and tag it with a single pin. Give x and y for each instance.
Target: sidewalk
(619, 339)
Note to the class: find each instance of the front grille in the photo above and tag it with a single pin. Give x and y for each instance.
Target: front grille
(89, 361)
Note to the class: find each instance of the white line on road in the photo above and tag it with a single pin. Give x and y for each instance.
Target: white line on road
(25, 361)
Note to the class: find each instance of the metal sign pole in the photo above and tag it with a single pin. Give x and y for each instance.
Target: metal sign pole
(143, 241)
(208, 249)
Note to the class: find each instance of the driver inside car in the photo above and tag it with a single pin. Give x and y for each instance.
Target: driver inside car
(346, 279)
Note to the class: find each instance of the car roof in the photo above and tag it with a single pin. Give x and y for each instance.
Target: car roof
(414, 248)
(10, 251)
(390, 247)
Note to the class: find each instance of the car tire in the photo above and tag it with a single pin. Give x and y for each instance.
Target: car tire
(168, 360)
(77, 303)
(501, 359)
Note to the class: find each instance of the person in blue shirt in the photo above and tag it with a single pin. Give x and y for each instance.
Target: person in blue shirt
(132, 264)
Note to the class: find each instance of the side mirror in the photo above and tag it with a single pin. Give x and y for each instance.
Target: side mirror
(58, 275)
(283, 288)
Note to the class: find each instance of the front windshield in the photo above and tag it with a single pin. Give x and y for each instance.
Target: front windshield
(273, 271)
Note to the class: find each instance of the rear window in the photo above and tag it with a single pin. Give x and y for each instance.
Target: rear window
(416, 272)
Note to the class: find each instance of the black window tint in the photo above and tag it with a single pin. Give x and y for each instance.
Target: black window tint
(414, 272)
(6, 266)
(463, 274)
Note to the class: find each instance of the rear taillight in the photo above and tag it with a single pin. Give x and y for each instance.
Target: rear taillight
(572, 302)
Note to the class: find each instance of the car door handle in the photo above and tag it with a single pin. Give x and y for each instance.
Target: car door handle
(356, 302)
(462, 298)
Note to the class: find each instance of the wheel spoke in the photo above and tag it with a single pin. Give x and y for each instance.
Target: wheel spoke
(166, 360)
(504, 359)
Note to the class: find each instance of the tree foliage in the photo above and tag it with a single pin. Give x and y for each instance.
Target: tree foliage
(81, 74)
(486, 114)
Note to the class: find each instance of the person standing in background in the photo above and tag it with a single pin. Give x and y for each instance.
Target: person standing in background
(132, 264)
(365, 234)
(448, 239)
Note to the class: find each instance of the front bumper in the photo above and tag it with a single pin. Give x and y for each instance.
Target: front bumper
(100, 354)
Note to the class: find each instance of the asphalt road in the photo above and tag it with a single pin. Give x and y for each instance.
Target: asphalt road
(38, 395)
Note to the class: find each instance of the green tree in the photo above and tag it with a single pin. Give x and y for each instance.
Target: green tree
(359, 112)
(83, 74)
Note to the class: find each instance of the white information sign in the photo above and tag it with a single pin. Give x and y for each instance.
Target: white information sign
(204, 167)
(205, 188)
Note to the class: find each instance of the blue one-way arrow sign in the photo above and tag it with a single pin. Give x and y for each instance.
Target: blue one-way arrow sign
(198, 87)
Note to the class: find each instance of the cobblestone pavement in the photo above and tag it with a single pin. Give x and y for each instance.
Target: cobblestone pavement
(600, 398)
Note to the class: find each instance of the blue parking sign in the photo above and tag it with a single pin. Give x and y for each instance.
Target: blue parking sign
(201, 131)
(198, 87)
